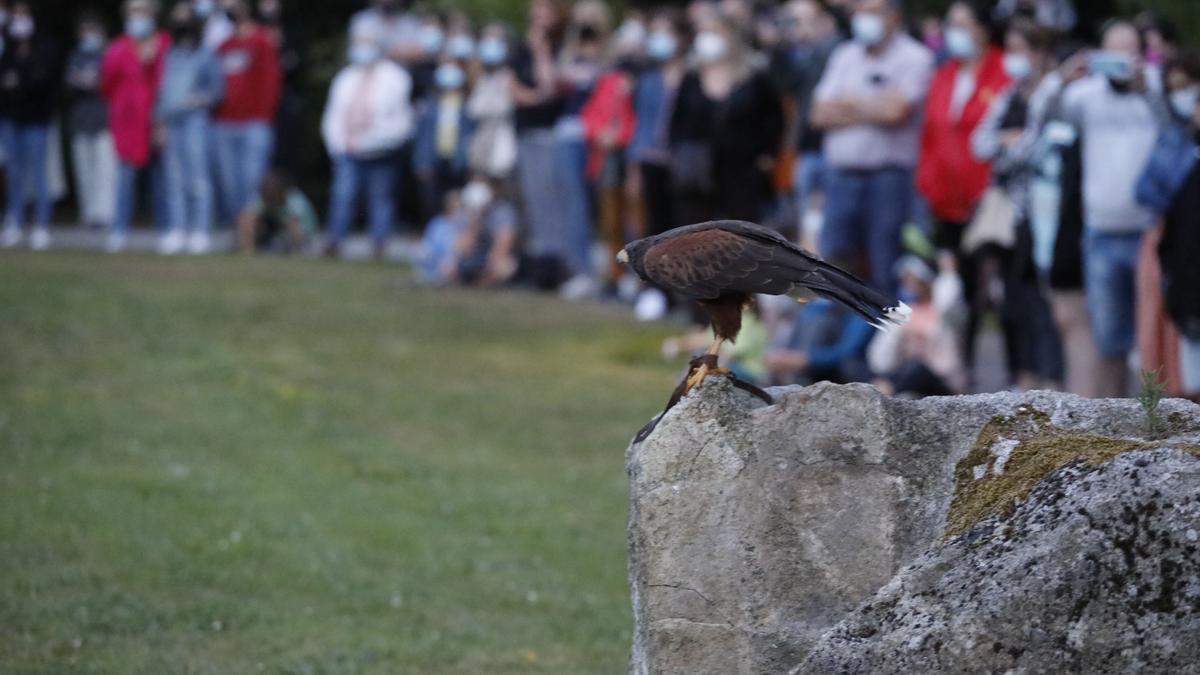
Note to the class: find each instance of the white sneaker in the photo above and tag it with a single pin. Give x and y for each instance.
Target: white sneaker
(578, 287)
(199, 243)
(40, 239)
(11, 236)
(116, 242)
(171, 243)
(651, 305)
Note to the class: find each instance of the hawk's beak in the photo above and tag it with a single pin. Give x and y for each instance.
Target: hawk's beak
(623, 257)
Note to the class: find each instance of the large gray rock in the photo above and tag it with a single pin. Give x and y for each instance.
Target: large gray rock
(1097, 572)
(754, 529)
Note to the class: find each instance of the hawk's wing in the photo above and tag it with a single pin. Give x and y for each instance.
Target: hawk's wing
(705, 263)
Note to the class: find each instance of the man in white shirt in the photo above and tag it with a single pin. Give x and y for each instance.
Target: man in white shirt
(868, 103)
(1117, 112)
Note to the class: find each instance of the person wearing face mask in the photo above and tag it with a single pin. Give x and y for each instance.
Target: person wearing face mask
(404, 37)
(868, 106)
(648, 178)
(443, 135)
(1009, 136)
(950, 178)
(130, 74)
(486, 251)
(29, 79)
(1117, 112)
(809, 38)
(493, 147)
(608, 122)
(367, 119)
(192, 85)
(726, 130)
(1178, 180)
(244, 133)
(92, 154)
(1166, 286)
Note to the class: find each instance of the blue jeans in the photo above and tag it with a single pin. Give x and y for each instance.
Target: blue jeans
(865, 211)
(187, 173)
(243, 155)
(808, 178)
(127, 178)
(577, 206)
(349, 174)
(1109, 268)
(25, 149)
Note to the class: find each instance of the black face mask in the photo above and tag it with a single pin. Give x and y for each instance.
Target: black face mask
(588, 33)
(1120, 87)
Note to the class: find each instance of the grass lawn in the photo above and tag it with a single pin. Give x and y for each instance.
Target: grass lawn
(223, 465)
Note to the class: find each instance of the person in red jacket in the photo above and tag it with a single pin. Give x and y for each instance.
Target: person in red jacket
(948, 174)
(607, 126)
(244, 135)
(130, 73)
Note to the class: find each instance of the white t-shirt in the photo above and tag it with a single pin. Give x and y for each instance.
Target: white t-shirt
(904, 65)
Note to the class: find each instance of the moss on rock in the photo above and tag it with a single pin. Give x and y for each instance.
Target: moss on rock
(1012, 453)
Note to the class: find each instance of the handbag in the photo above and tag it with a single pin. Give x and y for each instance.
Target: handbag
(692, 166)
(994, 222)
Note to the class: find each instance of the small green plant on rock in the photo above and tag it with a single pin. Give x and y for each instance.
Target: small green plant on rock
(1149, 397)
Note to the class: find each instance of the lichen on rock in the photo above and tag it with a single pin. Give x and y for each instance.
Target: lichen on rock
(1013, 452)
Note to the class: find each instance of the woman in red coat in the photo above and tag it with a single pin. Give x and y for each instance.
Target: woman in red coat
(948, 175)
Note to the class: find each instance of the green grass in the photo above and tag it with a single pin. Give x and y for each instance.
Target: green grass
(224, 465)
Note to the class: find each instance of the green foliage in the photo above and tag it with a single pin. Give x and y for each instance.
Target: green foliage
(231, 465)
(1149, 397)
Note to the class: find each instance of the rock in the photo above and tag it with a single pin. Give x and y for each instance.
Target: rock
(1094, 573)
(755, 529)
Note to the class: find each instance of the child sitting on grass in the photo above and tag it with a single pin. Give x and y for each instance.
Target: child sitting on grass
(280, 218)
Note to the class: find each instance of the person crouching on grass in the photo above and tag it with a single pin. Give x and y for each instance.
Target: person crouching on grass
(280, 218)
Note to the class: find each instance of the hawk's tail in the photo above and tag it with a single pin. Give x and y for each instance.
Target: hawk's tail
(839, 285)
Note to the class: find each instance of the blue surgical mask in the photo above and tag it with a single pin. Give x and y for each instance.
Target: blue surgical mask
(1183, 101)
(460, 47)
(1018, 66)
(959, 43)
(868, 28)
(710, 47)
(139, 26)
(363, 53)
(431, 39)
(203, 8)
(449, 76)
(492, 51)
(91, 42)
(661, 46)
(1116, 66)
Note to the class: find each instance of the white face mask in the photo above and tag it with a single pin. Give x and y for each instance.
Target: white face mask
(1017, 66)
(21, 27)
(959, 43)
(868, 28)
(710, 47)
(1183, 101)
(476, 195)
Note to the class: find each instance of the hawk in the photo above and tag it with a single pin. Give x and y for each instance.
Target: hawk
(722, 264)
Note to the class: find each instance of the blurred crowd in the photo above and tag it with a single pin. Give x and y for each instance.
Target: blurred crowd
(987, 166)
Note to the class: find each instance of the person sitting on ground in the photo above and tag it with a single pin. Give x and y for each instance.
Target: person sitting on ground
(486, 251)
(280, 218)
(922, 357)
(826, 342)
(745, 358)
(438, 261)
